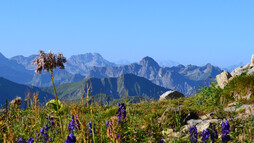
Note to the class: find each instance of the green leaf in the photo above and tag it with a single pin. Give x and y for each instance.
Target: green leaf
(53, 104)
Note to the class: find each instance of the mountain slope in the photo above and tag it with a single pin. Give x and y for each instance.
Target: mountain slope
(183, 79)
(80, 64)
(14, 71)
(9, 90)
(115, 88)
(25, 61)
(60, 77)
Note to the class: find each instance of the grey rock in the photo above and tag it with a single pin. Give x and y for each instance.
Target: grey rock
(252, 61)
(171, 95)
(250, 71)
(235, 109)
(238, 71)
(202, 124)
(194, 122)
(223, 79)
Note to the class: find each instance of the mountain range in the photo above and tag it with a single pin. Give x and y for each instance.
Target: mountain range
(185, 79)
(113, 88)
(9, 90)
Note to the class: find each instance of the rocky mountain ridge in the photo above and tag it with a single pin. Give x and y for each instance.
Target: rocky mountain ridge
(114, 88)
(185, 79)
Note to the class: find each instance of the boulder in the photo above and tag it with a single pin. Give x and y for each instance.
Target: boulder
(171, 94)
(250, 71)
(238, 71)
(223, 79)
(201, 124)
(252, 61)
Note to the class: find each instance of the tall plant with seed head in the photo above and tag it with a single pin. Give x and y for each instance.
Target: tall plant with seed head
(48, 62)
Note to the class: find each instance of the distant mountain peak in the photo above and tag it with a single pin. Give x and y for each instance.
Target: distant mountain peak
(2, 56)
(149, 62)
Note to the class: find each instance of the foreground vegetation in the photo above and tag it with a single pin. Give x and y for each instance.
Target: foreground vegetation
(139, 122)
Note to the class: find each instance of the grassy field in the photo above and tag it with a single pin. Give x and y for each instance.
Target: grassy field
(140, 122)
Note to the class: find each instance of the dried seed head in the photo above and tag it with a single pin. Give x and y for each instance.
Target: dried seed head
(16, 102)
(48, 61)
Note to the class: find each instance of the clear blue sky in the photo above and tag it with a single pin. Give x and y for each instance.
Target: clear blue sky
(187, 31)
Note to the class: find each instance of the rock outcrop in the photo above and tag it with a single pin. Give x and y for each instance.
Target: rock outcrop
(171, 94)
(252, 61)
(223, 79)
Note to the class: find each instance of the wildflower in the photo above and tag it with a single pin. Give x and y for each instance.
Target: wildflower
(31, 140)
(50, 120)
(162, 140)
(107, 123)
(16, 102)
(70, 138)
(45, 134)
(90, 127)
(121, 112)
(48, 61)
(72, 125)
(42, 131)
(214, 134)
(205, 135)
(225, 130)
(21, 140)
(193, 134)
(47, 128)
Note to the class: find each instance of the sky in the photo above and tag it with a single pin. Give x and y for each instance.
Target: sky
(220, 32)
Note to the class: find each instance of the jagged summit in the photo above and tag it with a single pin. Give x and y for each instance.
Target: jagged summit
(2, 57)
(149, 62)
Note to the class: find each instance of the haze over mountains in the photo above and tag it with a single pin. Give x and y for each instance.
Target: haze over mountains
(185, 79)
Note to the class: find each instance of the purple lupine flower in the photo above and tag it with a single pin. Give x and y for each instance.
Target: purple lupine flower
(205, 135)
(31, 140)
(213, 134)
(225, 130)
(193, 134)
(45, 134)
(162, 140)
(90, 127)
(47, 128)
(107, 123)
(121, 112)
(70, 138)
(72, 125)
(42, 131)
(21, 140)
(50, 120)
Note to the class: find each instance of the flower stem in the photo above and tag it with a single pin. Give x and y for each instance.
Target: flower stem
(57, 104)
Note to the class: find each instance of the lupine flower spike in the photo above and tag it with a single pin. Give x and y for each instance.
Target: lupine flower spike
(225, 130)
(121, 112)
(31, 140)
(72, 125)
(70, 138)
(162, 140)
(90, 126)
(213, 134)
(193, 134)
(205, 135)
(21, 140)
